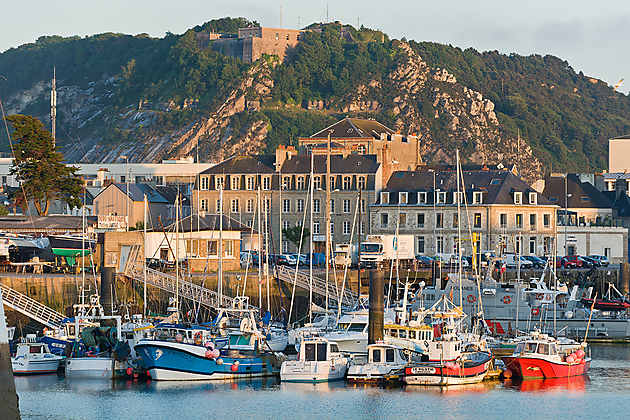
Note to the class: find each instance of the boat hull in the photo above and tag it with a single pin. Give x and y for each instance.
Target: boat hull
(22, 366)
(373, 374)
(444, 374)
(537, 368)
(313, 372)
(90, 367)
(167, 361)
(355, 343)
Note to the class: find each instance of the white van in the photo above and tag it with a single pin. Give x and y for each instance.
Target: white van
(511, 261)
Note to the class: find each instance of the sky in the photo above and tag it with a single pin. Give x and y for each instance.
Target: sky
(591, 36)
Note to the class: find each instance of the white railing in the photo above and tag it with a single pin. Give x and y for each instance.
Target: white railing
(31, 308)
(287, 275)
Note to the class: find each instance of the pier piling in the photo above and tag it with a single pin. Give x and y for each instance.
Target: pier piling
(377, 306)
(9, 409)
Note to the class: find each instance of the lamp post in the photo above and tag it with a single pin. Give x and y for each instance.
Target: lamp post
(127, 188)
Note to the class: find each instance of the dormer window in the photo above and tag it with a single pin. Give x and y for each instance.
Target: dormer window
(218, 182)
(266, 183)
(441, 197)
(300, 183)
(384, 197)
(518, 198)
(403, 197)
(347, 183)
(286, 182)
(533, 198)
(236, 181)
(477, 197)
(204, 182)
(422, 198)
(251, 182)
(457, 197)
(317, 182)
(361, 182)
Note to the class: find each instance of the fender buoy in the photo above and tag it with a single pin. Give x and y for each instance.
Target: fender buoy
(471, 299)
(535, 311)
(507, 300)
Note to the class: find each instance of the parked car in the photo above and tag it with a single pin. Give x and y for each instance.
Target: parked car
(601, 259)
(512, 261)
(588, 262)
(537, 262)
(571, 261)
(424, 261)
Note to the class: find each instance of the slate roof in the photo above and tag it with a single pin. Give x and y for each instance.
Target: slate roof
(497, 186)
(45, 223)
(620, 203)
(244, 165)
(353, 163)
(169, 192)
(208, 222)
(625, 137)
(354, 128)
(581, 194)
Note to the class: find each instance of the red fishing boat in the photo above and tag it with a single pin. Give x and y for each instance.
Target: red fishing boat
(542, 357)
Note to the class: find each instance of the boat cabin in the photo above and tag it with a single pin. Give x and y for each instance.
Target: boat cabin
(173, 332)
(386, 354)
(318, 350)
(418, 333)
(545, 348)
(27, 348)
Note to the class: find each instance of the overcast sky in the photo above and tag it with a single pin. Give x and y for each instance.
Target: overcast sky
(592, 36)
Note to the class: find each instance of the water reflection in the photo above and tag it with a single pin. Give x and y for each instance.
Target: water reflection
(573, 384)
(308, 388)
(480, 388)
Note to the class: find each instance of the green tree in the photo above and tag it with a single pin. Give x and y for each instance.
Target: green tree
(294, 233)
(39, 167)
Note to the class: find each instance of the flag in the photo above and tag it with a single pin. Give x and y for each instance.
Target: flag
(503, 268)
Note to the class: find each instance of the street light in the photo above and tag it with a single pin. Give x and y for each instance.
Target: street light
(127, 187)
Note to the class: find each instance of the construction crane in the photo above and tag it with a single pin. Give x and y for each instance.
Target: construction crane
(619, 83)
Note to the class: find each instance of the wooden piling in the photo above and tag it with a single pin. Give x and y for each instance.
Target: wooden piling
(377, 306)
(9, 409)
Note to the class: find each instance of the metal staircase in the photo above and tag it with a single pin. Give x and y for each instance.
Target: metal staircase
(187, 289)
(31, 308)
(287, 275)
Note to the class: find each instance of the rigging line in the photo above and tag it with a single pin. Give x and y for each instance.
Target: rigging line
(297, 263)
(6, 127)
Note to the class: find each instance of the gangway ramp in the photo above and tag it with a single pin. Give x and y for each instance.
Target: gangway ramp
(31, 308)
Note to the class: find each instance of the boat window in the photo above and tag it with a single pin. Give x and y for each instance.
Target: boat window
(403, 334)
(321, 352)
(552, 349)
(519, 348)
(343, 326)
(334, 348)
(412, 334)
(530, 348)
(394, 333)
(376, 355)
(543, 348)
(356, 327)
(35, 349)
(309, 352)
(389, 355)
(402, 355)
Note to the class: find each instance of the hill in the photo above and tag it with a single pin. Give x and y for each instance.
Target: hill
(154, 98)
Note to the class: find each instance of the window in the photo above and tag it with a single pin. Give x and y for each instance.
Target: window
(204, 205)
(403, 198)
(346, 227)
(458, 197)
(402, 219)
(441, 197)
(420, 220)
(228, 248)
(332, 206)
(420, 242)
(376, 355)
(503, 220)
(267, 205)
(332, 183)
(218, 206)
(317, 182)
(548, 245)
(250, 223)
(316, 228)
(213, 248)
(384, 220)
(440, 244)
(533, 198)
(285, 247)
(422, 198)
(300, 205)
(316, 206)
(347, 183)
(384, 197)
(346, 206)
(332, 227)
(286, 182)
(249, 208)
(285, 224)
(439, 220)
(286, 206)
(532, 245)
(218, 182)
(362, 206)
(455, 220)
(123, 179)
(236, 182)
(266, 183)
(546, 220)
(301, 183)
(477, 220)
(361, 182)
(518, 197)
(518, 245)
(519, 220)
(234, 205)
(250, 183)
(362, 228)
(204, 182)
(477, 197)
(361, 149)
(532, 221)
(389, 355)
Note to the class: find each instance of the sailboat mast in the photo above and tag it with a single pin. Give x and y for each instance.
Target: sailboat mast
(144, 261)
(177, 255)
(267, 255)
(259, 252)
(220, 278)
(83, 251)
(53, 106)
(459, 233)
(310, 269)
(328, 188)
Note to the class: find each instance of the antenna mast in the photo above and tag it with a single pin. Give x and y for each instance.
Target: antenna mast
(53, 104)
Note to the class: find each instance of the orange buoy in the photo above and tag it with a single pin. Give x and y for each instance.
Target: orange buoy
(507, 374)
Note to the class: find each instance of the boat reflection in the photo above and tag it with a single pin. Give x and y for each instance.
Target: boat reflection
(212, 386)
(322, 387)
(573, 383)
(479, 388)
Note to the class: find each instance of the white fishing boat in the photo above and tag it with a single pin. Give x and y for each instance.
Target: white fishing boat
(319, 360)
(33, 358)
(90, 367)
(383, 360)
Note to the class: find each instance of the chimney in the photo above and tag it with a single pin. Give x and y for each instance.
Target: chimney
(100, 176)
(621, 187)
(284, 153)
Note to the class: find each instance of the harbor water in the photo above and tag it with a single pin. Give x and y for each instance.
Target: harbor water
(603, 394)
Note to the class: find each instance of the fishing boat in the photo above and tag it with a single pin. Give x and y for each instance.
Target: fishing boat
(540, 356)
(450, 360)
(321, 323)
(384, 360)
(319, 361)
(179, 353)
(32, 358)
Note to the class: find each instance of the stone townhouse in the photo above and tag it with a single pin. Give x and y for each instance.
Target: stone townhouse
(505, 212)
(284, 188)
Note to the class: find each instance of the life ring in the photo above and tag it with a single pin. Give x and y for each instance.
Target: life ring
(535, 311)
(471, 299)
(539, 296)
(507, 300)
